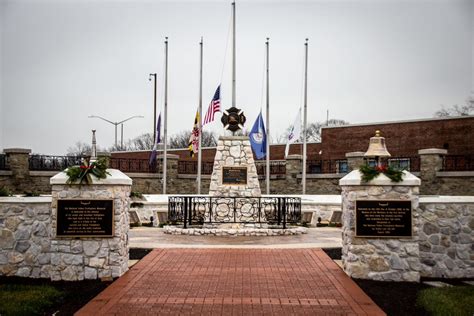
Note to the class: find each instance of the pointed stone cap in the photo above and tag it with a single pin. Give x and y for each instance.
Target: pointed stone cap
(116, 177)
(355, 178)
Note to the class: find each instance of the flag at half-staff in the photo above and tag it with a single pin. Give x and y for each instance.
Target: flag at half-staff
(295, 132)
(157, 140)
(193, 144)
(258, 138)
(214, 107)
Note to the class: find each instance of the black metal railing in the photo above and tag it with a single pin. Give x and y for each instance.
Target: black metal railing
(133, 165)
(4, 163)
(190, 167)
(404, 163)
(52, 163)
(327, 166)
(458, 163)
(277, 167)
(199, 210)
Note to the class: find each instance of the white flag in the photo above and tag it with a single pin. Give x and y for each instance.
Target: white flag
(295, 132)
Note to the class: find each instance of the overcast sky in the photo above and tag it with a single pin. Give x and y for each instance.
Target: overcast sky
(369, 61)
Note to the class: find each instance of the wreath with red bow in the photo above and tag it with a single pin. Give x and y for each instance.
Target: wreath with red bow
(84, 172)
(369, 173)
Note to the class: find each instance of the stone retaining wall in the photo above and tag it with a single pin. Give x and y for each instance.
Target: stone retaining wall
(25, 244)
(446, 237)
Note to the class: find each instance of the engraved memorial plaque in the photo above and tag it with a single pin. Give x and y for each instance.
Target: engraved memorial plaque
(234, 175)
(85, 218)
(383, 218)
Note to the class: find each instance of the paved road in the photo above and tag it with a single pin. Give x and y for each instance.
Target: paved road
(233, 282)
(150, 237)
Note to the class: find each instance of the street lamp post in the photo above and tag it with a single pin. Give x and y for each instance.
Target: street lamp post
(116, 124)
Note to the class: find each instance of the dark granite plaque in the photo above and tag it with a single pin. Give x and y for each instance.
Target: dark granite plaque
(85, 218)
(234, 175)
(383, 218)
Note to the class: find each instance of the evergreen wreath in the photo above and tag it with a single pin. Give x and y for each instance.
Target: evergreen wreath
(369, 173)
(84, 172)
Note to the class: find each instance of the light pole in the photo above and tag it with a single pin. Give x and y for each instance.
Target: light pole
(115, 124)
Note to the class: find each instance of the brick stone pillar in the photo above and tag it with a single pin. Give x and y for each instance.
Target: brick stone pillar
(79, 257)
(294, 168)
(355, 159)
(375, 256)
(19, 166)
(431, 161)
(171, 172)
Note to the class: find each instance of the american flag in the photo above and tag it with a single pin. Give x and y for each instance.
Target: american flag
(214, 106)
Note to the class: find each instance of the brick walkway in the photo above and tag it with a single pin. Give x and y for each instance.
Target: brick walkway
(233, 282)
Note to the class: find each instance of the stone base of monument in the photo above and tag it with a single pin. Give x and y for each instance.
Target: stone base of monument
(229, 231)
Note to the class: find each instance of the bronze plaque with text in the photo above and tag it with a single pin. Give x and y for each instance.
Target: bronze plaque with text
(383, 218)
(234, 175)
(85, 218)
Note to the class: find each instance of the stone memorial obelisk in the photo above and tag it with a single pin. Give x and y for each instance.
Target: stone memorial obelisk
(234, 173)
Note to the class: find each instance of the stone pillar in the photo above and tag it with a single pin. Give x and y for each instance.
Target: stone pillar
(294, 167)
(234, 151)
(18, 160)
(355, 159)
(171, 172)
(387, 258)
(431, 161)
(79, 258)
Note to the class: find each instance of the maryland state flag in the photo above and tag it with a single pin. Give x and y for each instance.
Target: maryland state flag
(194, 138)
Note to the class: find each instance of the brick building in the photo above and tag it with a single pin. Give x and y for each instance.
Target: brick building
(403, 139)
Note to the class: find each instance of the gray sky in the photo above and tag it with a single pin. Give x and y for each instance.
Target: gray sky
(369, 61)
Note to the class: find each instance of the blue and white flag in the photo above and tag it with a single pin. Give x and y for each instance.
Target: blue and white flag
(258, 138)
(157, 141)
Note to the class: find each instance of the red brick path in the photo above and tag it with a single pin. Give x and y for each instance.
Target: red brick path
(233, 282)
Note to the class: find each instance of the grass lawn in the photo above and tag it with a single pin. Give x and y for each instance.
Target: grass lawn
(456, 300)
(19, 299)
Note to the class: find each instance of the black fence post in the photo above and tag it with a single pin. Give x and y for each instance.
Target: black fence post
(284, 213)
(185, 212)
(190, 213)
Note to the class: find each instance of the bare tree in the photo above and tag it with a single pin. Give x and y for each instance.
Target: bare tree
(457, 110)
(142, 142)
(313, 133)
(79, 149)
(181, 139)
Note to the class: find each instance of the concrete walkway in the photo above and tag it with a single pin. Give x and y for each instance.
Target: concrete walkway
(150, 237)
(233, 282)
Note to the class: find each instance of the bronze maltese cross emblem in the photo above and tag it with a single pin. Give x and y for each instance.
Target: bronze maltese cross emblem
(233, 119)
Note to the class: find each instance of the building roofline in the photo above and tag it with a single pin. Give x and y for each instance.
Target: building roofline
(405, 121)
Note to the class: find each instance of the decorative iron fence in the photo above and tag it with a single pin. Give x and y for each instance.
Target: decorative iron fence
(405, 163)
(458, 163)
(277, 167)
(133, 165)
(199, 210)
(190, 167)
(52, 163)
(4, 163)
(327, 166)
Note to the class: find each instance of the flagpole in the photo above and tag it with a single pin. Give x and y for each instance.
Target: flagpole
(200, 120)
(268, 120)
(233, 53)
(165, 120)
(305, 114)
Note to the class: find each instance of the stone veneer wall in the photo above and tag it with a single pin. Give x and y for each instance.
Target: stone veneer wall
(234, 151)
(96, 257)
(446, 237)
(25, 224)
(29, 246)
(387, 259)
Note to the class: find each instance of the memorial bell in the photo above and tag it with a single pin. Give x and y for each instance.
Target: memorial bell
(377, 148)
